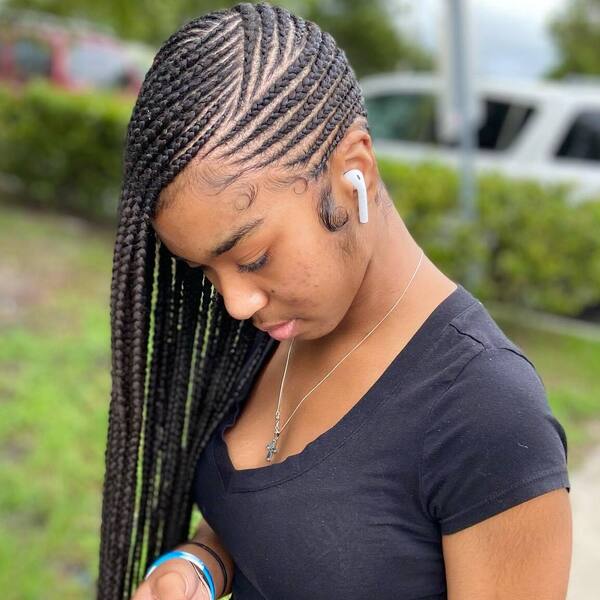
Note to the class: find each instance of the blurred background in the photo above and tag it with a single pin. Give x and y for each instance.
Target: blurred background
(486, 121)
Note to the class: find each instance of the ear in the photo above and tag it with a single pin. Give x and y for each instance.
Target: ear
(355, 151)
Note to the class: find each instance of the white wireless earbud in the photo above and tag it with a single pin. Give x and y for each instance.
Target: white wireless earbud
(357, 179)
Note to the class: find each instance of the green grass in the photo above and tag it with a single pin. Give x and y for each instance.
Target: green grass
(54, 386)
(54, 391)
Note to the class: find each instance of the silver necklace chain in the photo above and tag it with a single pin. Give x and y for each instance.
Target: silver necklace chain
(272, 445)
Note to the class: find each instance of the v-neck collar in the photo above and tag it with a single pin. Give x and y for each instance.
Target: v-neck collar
(257, 478)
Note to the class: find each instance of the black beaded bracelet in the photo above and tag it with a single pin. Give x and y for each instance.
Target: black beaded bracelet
(217, 558)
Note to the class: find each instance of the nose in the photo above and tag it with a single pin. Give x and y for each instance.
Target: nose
(242, 298)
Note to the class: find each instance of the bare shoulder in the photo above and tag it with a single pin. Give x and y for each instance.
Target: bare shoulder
(521, 553)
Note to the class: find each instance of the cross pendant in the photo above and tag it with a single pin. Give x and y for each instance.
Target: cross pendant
(272, 445)
(272, 448)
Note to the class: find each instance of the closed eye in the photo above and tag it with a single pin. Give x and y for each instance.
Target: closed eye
(255, 266)
(249, 268)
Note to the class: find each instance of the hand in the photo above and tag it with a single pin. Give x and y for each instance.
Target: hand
(176, 579)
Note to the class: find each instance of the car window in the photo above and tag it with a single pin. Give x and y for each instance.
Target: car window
(410, 117)
(31, 58)
(97, 64)
(406, 117)
(583, 138)
(503, 121)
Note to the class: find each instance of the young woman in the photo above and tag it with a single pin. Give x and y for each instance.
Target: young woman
(350, 422)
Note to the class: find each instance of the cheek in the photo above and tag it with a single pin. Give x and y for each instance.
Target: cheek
(319, 282)
(318, 278)
(298, 284)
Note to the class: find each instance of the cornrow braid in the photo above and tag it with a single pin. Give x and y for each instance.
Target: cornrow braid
(313, 91)
(250, 86)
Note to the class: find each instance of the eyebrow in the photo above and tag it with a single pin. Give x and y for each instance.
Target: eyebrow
(236, 236)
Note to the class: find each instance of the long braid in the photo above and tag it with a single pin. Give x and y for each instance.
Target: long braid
(155, 371)
(249, 83)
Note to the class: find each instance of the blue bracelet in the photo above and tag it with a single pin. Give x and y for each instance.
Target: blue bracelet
(189, 557)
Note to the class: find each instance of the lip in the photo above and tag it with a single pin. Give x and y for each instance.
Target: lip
(282, 330)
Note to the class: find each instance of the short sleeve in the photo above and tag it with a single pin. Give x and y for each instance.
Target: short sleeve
(491, 442)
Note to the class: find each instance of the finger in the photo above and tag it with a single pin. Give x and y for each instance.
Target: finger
(170, 586)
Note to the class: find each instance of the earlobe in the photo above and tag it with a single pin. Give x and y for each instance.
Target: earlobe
(357, 179)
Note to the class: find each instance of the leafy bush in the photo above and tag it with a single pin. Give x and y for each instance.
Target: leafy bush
(542, 252)
(526, 245)
(65, 148)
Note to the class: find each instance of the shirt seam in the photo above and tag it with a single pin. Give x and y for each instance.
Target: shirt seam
(465, 334)
(517, 352)
(442, 331)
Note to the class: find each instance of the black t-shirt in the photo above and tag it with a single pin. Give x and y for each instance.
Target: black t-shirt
(456, 429)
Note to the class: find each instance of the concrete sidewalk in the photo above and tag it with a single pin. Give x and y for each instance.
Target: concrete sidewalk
(584, 582)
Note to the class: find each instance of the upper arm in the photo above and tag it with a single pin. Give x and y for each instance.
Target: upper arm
(522, 553)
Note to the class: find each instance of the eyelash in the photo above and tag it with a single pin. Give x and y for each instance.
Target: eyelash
(255, 266)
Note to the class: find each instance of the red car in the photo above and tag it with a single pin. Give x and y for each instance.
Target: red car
(70, 54)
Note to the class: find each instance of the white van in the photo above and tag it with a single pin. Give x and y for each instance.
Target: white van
(546, 131)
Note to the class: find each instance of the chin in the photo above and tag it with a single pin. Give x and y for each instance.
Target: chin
(313, 334)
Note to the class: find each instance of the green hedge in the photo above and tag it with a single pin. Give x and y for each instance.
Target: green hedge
(66, 149)
(527, 245)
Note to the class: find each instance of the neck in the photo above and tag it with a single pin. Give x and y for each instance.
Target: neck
(389, 270)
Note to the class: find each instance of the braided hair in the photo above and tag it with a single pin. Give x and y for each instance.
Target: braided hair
(251, 86)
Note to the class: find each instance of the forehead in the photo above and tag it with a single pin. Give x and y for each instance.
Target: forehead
(228, 184)
(204, 203)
